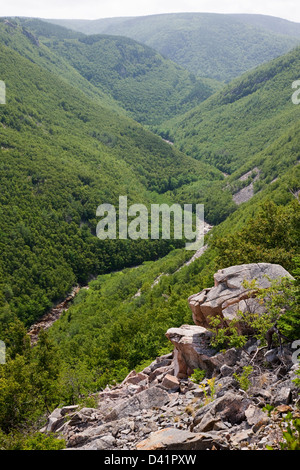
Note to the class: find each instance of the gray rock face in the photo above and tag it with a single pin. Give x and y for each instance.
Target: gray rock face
(175, 439)
(155, 417)
(230, 408)
(160, 408)
(229, 295)
(147, 399)
(192, 349)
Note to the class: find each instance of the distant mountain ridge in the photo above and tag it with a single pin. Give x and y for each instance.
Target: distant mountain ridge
(242, 119)
(210, 45)
(129, 76)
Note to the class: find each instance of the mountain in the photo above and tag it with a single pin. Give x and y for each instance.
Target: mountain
(248, 131)
(264, 231)
(123, 316)
(209, 45)
(137, 79)
(271, 23)
(244, 118)
(68, 143)
(62, 155)
(24, 36)
(66, 153)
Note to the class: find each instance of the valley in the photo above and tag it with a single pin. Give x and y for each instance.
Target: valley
(133, 107)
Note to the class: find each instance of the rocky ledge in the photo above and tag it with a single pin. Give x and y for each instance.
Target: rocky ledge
(154, 410)
(162, 408)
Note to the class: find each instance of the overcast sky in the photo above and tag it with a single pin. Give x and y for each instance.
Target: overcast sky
(94, 9)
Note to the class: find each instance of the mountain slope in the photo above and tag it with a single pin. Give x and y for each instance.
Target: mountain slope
(243, 118)
(210, 45)
(136, 78)
(62, 155)
(271, 23)
(20, 36)
(149, 87)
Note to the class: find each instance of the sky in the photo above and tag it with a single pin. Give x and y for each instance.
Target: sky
(94, 9)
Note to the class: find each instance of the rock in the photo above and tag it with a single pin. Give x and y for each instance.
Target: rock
(224, 385)
(228, 296)
(283, 409)
(229, 408)
(281, 396)
(256, 417)
(157, 372)
(230, 357)
(69, 409)
(209, 422)
(170, 382)
(162, 361)
(241, 437)
(103, 443)
(55, 420)
(226, 370)
(134, 378)
(192, 349)
(147, 399)
(271, 355)
(175, 439)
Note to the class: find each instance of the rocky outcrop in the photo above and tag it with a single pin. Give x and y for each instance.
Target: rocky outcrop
(32, 38)
(161, 408)
(191, 349)
(154, 410)
(175, 439)
(246, 193)
(230, 295)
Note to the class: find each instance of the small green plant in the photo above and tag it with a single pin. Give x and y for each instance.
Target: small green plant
(41, 441)
(198, 375)
(268, 409)
(32, 441)
(209, 395)
(227, 337)
(297, 380)
(243, 379)
(290, 433)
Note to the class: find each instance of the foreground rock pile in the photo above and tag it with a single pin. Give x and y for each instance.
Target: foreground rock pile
(154, 410)
(162, 408)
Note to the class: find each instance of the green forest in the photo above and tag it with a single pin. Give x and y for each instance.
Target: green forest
(89, 118)
(216, 46)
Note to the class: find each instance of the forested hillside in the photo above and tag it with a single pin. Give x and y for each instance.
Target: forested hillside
(210, 45)
(133, 76)
(25, 40)
(243, 118)
(68, 143)
(265, 229)
(62, 155)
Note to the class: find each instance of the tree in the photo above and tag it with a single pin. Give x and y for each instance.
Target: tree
(46, 366)
(272, 236)
(18, 402)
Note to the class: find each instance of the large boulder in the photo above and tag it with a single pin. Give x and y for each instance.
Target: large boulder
(176, 439)
(230, 408)
(229, 295)
(192, 349)
(147, 399)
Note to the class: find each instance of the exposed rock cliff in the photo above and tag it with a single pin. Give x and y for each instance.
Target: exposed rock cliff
(161, 408)
(229, 293)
